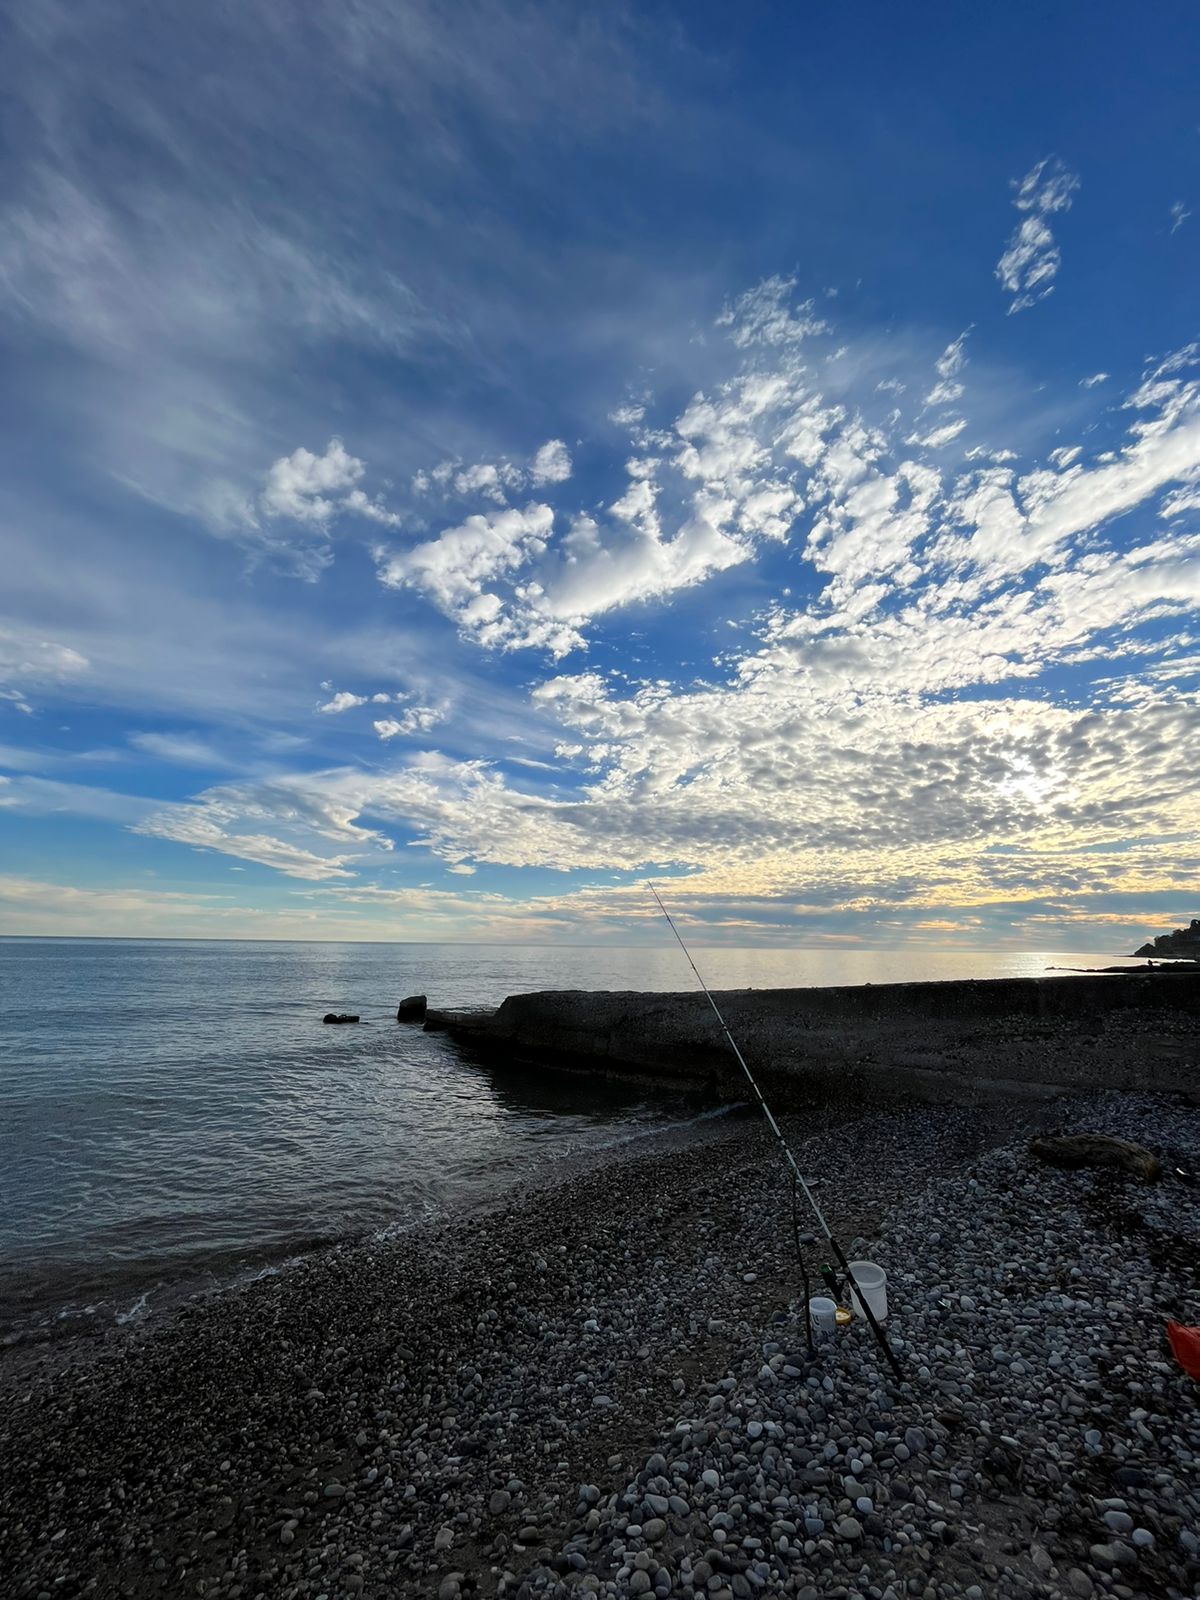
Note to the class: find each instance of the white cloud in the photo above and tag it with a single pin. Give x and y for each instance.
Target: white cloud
(840, 749)
(1028, 267)
(29, 664)
(493, 480)
(765, 315)
(867, 733)
(949, 366)
(551, 463)
(511, 583)
(180, 749)
(456, 568)
(30, 906)
(827, 771)
(313, 490)
(938, 437)
(764, 452)
(358, 503)
(1096, 378)
(496, 481)
(627, 416)
(342, 701)
(416, 719)
(1181, 500)
(291, 823)
(23, 655)
(1179, 215)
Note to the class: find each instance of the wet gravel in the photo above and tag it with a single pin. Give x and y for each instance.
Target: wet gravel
(603, 1388)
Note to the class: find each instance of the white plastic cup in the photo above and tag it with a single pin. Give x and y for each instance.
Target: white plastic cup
(872, 1280)
(822, 1314)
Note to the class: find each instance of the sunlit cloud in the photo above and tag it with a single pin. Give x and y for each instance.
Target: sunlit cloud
(753, 541)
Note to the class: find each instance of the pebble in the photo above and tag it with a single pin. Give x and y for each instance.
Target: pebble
(749, 1477)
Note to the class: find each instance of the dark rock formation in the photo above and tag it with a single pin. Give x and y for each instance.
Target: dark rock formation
(1096, 1150)
(1183, 942)
(962, 1041)
(411, 1009)
(338, 1016)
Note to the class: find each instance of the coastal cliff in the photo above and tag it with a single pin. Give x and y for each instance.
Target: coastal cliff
(953, 1041)
(1183, 942)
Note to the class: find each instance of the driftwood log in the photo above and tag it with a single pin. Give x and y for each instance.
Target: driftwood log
(1096, 1150)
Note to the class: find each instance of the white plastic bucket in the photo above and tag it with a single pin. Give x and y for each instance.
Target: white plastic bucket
(872, 1280)
(822, 1313)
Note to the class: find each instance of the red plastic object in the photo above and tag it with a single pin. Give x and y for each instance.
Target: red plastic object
(1185, 1343)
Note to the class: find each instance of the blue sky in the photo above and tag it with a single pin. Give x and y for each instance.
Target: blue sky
(460, 459)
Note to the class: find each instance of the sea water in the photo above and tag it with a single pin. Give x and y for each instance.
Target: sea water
(174, 1114)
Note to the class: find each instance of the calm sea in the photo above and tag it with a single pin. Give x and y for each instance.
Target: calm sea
(174, 1113)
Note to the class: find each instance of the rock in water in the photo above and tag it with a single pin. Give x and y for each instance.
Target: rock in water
(1096, 1150)
(411, 1009)
(339, 1016)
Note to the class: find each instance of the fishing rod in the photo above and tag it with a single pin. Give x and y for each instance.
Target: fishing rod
(797, 1175)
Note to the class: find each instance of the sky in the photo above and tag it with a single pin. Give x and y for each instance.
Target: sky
(460, 460)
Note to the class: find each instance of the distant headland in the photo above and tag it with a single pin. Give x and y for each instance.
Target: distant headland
(1183, 942)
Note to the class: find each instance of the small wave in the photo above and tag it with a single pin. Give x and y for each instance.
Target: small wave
(139, 1309)
(76, 1312)
(657, 1130)
(429, 1211)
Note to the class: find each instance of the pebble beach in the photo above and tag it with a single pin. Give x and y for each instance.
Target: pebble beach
(603, 1388)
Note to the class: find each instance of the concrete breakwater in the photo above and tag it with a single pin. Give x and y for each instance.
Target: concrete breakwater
(949, 1041)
